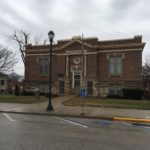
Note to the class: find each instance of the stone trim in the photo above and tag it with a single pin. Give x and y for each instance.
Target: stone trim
(87, 53)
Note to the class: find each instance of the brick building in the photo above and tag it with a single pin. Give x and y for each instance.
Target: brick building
(100, 67)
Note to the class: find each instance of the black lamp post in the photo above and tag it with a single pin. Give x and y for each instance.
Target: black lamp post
(51, 35)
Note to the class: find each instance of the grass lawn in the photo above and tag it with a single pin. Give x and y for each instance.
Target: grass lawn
(21, 99)
(109, 103)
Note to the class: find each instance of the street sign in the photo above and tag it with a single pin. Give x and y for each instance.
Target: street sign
(82, 93)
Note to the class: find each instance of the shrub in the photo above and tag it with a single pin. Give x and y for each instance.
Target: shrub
(147, 95)
(115, 96)
(133, 93)
(28, 93)
(53, 95)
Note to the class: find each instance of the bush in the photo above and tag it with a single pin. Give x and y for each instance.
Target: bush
(42, 94)
(115, 96)
(28, 93)
(133, 93)
(147, 95)
(53, 95)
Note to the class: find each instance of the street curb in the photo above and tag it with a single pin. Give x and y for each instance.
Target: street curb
(81, 116)
(58, 115)
(131, 119)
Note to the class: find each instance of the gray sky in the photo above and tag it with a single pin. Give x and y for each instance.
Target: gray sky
(106, 19)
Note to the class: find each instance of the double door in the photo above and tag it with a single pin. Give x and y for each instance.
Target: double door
(77, 81)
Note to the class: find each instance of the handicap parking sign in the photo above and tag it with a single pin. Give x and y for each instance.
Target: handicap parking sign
(82, 93)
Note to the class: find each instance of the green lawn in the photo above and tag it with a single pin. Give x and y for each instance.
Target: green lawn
(21, 99)
(109, 103)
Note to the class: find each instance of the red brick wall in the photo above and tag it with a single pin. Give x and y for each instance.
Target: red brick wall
(54, 67)
(103, 66)
(97, 64)
(92, 65)
(132, 67)
(31, 68)
(60, 65)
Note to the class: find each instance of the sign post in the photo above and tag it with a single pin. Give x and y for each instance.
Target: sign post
(82, 95)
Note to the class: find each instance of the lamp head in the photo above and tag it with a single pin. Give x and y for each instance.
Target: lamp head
(51, 35)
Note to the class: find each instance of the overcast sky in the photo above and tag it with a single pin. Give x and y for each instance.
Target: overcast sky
(105, 19)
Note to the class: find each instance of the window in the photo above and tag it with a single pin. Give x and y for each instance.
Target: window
(43, 67)
(115, 65)
(44, 88)
(115, 89)
(2, 82)
(77, 77)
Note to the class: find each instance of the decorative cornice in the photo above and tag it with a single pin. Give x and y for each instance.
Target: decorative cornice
(123, 50)
(85, 53)
(73, 41)
(123, 44)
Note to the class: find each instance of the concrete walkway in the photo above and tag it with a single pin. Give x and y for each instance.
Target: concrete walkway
(59, 109)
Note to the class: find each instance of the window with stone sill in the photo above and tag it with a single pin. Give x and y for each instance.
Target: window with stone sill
(43, 67)
(115, 65)
(2, 82)
(115, 89)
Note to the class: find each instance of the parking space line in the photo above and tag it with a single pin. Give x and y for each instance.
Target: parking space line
(72, 122)
(8, 117)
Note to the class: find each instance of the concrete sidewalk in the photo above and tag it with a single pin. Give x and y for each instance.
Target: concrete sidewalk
(92, 112)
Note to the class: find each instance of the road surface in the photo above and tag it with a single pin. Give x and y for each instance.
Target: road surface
(33, 132)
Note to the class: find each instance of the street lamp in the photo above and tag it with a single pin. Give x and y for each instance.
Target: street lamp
(51, 35)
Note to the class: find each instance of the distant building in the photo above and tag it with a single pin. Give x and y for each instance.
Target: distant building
(13, 81)
(8, 83)
(101, 67)
(3, 83)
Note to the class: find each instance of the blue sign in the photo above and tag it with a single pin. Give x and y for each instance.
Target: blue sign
(82, 93)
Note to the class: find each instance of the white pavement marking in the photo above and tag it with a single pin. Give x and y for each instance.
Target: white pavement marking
(72, 122)
(14, 109)
(8, 117)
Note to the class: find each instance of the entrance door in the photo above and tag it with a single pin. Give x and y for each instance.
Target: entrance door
(61, 87)
(77, 81)
(89, 87)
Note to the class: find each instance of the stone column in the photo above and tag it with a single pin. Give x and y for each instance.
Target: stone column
(67, 66)
(84, 65)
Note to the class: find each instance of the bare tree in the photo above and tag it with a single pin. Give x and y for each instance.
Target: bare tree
(7, 59)
(45, 41)
(146, 68)
(22, 38)
(146, 73)
(37, 39)
(146, 78)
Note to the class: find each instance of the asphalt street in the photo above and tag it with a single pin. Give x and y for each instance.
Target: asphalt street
(35, 132)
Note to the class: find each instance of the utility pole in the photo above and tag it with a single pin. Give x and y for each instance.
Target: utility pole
(82, 74)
